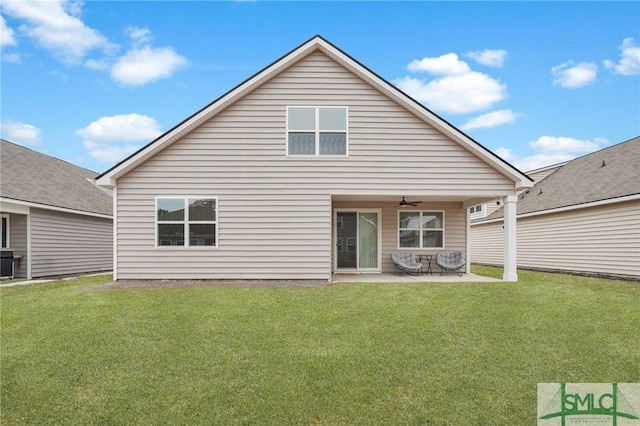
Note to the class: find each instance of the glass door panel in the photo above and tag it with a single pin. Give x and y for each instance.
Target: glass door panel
(368, 240)
(346, 240)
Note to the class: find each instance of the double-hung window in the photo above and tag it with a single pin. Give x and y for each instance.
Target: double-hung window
(187, 222)
(317, 131)
(421, 229)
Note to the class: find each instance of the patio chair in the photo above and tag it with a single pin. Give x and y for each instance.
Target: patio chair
(452, 261)
(406, 262)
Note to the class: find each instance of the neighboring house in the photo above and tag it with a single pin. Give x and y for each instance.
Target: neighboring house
(480, 211)
(55, 220)
(582, 218)
(298, 173)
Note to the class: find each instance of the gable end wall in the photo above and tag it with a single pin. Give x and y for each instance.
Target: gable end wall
(275, 212)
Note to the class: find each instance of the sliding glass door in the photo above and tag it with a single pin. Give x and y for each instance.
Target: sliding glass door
(357, 240)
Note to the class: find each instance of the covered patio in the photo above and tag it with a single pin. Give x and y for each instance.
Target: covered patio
(368, 228)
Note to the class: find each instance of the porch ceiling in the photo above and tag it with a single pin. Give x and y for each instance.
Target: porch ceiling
(413, 197)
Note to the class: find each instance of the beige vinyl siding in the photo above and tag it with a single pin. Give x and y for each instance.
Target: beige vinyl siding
(603, 239)
(18, 243)
(64, 243)
(275, 211)
(487, 243)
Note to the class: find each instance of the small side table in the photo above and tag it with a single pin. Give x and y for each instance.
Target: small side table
(428, 258)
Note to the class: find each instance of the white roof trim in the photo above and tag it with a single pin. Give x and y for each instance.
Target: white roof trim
(542, 169)
(10, 201)
(615, 200)
(108, 179)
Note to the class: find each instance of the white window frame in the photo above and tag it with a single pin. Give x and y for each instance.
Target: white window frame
(317, 131)
(8, 236)
(186, 222)
(421, 229)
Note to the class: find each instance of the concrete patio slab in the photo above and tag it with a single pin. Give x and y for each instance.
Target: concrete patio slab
(392, 278)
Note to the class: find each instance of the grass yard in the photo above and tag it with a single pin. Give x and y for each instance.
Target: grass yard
(459, 354)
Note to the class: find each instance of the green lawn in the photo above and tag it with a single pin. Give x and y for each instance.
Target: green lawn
(459, 354)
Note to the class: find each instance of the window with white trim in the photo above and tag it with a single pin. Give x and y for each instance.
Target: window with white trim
(476, 209)
(187, 222)
(420, 229)
(314, 131)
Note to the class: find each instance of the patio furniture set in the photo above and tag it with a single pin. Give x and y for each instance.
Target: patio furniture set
(410, 263)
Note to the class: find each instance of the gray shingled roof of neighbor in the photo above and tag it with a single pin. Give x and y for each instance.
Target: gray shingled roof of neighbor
(27, 175)
(606, 174)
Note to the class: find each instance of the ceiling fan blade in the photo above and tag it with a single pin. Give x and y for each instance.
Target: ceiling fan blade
(408, 203)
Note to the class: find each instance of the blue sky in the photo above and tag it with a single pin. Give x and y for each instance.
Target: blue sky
(536, 82)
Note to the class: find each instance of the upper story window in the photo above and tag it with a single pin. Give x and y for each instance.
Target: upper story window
(476, 209)
(317, 131)
(187, 222)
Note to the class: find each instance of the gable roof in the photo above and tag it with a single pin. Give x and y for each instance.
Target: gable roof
(608, 174)
(316, 43)
(30, 177)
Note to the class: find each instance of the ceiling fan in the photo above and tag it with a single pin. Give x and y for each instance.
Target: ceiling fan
(405, 203)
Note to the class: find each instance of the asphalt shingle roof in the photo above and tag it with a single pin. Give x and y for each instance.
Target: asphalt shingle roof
(609, 173)
(27, 175)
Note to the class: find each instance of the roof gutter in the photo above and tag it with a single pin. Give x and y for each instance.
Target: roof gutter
(53, 208)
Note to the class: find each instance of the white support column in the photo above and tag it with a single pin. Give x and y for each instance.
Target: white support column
(468, 239)
(510, 217)
(115, 233)
(29, 257)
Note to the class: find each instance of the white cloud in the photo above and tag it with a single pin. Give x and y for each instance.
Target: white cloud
(491, 119)
(129, 127)
(491, 58)
(6, 34)
(456, 94)
(552, 150)
(144, 65)
(20, 133)
(138, 35)
(457, 89)
(109, 139)
(629, 63)
(12, 58)
(56, 26)
(109, 153)
(566, 145)
(448, 64)
(97, 64)
(572, 76)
